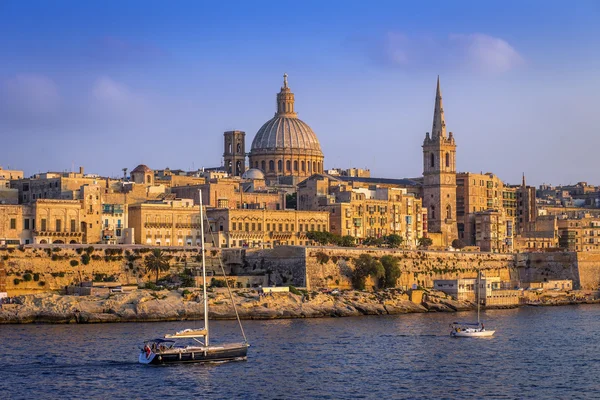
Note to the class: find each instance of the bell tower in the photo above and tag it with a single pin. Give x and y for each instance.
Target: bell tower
(439, 175)
(234, 153)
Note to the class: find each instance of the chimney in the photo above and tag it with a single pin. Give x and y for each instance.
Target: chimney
(81, 170)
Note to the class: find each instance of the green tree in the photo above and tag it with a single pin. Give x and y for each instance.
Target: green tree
(156, 262)
(365, 266)
(373, 241)
(347, 241)
(458, 244)
(425, 242)
(291, 201)
(394, 240)
(392, 271)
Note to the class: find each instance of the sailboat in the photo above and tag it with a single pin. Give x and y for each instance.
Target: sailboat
(198, 349)
(471, 329)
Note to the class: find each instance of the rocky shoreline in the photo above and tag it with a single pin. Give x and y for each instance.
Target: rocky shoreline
(177, 305)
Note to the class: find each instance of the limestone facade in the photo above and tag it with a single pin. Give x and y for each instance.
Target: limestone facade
(165, 223)
(491, 231)
(56, 221)
(477, 193)
(579, 234)
(439, 176)
(231, 193)
(263, 228)
(11, 225)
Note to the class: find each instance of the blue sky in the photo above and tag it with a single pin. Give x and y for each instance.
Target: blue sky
(109, 85)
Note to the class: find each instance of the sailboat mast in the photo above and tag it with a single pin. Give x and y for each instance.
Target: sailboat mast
(203, 269)
(478, 293)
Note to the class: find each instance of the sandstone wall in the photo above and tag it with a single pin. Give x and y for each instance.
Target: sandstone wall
(541, 266)
(49, 268)
(332, 267)
(284, 264)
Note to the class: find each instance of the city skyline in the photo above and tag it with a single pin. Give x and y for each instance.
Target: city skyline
(105, 86)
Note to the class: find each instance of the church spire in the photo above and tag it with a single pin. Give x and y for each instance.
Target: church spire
(439, 123)
(285, 100)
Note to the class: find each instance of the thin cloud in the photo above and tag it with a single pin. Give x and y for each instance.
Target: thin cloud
(476, 52)
(116, 50)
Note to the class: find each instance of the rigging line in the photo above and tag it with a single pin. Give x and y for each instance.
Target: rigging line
(237, 315)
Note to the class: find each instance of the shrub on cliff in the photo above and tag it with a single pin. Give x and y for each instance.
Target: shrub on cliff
(89, 250)
(42, 283)
(365, 266)
(392, 271)
(16, 281)
(74, 263)
(27, 277)
(295, 291)
(425, 242)
(322, 258)
(85, 259)
(458, 244)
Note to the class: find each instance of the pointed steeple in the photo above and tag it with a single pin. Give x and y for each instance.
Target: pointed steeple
(285, 100)
(439, 123)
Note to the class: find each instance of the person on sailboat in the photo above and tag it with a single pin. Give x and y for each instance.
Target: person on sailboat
(482, 327)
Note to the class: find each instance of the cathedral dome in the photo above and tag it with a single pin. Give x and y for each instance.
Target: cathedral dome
(285, 132)
(253, 173)
(286, 145)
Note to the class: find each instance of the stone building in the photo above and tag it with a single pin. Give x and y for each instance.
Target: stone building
(11, 226)
(263, 228)
(169, 222)
(285, 145)
(234, 193)
(363, 212)
(114, 223)
(579, 234)
(142, 174)
(476, 193)
(491, 231)
(56, 185)
(439, 176)
(56, 221)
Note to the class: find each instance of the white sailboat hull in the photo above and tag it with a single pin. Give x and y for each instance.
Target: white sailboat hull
(472, 333)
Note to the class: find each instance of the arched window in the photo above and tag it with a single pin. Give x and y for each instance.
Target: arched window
(320, 169)
(432, 160)
(303, 166)
(229, 147)
(432, 212)
(448, 212)
(308, 167)
(279, 165)
(147, 178)
(296, 166)
(447, 160)
(271, 165)
(262, 164)
(288, 165)
(239, 148)
(256, 165)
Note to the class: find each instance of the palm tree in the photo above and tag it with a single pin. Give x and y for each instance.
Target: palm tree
(157, 261)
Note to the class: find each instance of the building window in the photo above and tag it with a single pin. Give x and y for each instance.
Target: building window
(432, 212)
(279, 165)
(296, 166)
(288, 165)
(280, 227)
(448, 212)
(303, 166)
(262, 165)
(13, 223)
(58, 225)
(259, 226)
(432, 160)
(26, 223)
(447, 160)
(73, 229)
(271, 165)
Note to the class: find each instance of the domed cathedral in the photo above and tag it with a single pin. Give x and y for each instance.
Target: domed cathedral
(285, 145)
(439, 176)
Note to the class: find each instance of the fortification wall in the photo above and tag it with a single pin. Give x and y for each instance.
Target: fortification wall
(34, 270)
(543, 266)
(588, 264)
(285, 265)
(332, 267)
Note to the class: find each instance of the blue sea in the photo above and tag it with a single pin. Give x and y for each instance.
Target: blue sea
(537, 352)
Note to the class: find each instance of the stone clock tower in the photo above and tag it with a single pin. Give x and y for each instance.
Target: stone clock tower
(439, 176)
